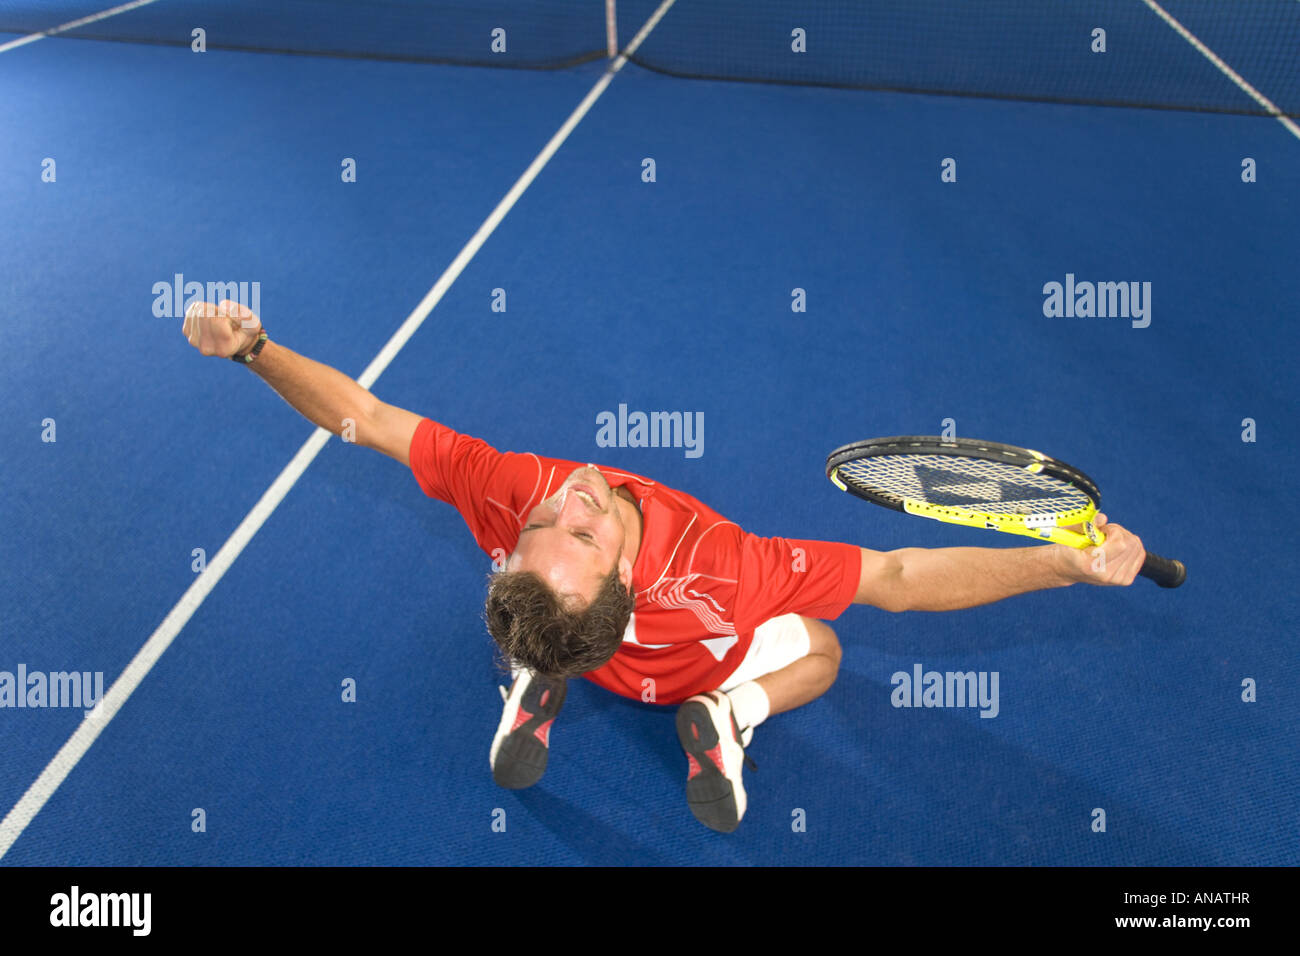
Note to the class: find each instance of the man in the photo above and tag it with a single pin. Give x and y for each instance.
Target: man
(642, 589)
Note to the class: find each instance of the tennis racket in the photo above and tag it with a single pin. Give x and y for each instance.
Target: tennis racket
(982, 484)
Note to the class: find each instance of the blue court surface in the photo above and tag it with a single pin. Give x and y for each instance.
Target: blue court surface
(1174, 712)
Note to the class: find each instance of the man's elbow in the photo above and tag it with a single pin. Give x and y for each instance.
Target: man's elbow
(894, 600)
(894, 604)
(881, 582)
(388, 429)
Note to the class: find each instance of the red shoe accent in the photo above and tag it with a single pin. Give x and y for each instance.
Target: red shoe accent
(694, 767)
(521, 718)
(545, 694)
(695, 732)
(716, 756)
(543, 733)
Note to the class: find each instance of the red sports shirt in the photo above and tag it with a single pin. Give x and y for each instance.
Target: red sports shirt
(702, 583)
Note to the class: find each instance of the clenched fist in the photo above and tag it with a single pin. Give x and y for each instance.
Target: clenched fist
(225, 329)
(1117, 561)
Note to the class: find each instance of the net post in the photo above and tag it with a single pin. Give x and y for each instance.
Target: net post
(611, 29)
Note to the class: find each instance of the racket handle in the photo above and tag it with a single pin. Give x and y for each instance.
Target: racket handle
(1166, 572)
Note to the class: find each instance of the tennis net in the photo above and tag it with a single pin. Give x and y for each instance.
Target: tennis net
(536, 34)
(1105, 52)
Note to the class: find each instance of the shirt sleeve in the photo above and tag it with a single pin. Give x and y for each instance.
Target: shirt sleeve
(794, 576)
(490, 489)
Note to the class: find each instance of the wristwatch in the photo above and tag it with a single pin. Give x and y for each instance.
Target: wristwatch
(254, 352)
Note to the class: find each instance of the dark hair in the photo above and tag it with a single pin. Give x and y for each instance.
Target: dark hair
(533, 627)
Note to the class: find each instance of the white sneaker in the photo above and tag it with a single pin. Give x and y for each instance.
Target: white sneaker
(522, 743)
(715, 756)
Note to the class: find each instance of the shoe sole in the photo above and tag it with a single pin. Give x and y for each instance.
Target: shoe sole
(709, 793)
(521, 758)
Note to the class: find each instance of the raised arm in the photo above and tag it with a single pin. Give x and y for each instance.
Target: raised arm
(323, 395)
(947, 579)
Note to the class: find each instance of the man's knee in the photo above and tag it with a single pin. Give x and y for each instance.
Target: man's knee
(822, 640)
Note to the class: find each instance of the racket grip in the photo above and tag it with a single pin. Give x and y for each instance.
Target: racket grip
(1166, 572)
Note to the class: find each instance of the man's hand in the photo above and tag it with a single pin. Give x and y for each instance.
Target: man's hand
(224, 329)
(1117, 561)
(322, 395)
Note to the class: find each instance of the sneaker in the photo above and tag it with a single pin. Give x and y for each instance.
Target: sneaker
(522, 742)
(715, 755)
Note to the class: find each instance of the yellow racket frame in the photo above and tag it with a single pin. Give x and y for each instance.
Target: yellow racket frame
(1073, 527)
(1056, 527)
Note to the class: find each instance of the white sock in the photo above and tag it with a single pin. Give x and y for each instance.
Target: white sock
(750, 705)
(515, 670)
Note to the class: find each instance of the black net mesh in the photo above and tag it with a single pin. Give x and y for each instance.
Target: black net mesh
(1020, 49)
(1013, 49)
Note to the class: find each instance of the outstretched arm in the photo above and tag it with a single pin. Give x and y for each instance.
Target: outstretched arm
(946, 579)
(323, 395)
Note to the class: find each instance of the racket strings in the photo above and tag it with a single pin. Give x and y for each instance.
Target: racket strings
(970, 483)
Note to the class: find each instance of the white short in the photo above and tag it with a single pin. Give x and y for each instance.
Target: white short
(777, 643)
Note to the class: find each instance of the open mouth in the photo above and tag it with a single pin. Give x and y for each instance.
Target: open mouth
(586, 493)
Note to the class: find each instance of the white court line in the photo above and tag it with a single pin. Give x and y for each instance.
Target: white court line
(1227, 71)
(73, 24)
(407, 329)
(611, 29)
(71, 752)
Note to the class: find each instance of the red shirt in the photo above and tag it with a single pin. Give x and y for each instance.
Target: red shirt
(702, 583)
